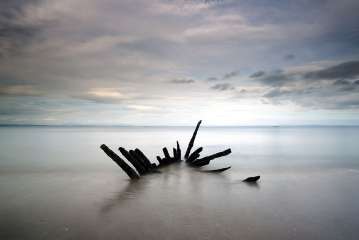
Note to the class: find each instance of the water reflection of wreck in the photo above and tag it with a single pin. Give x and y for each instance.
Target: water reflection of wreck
(143, 165)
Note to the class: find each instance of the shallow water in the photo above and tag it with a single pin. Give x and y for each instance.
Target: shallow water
(56, 183)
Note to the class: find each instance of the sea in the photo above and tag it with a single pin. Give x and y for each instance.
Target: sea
(56, 183)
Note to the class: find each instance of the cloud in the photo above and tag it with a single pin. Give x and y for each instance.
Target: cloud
(345, 70)
(19, 90)
(222, 87)
(330, 87)
(14, 34)
(289, 57)
(226, 76)
(182, 81)
(143, 108)
(230, 75)
(275, 78)
(105, 53)
(212, 79)
(103, 95)
(257, 74)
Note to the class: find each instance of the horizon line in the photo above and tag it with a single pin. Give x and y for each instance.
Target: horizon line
(138, 125)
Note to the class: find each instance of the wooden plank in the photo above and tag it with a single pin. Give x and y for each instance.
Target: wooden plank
(120, 162)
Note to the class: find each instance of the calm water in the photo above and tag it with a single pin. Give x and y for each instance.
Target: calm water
(56, 183)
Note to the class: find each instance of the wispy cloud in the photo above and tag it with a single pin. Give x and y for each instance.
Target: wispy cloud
(222, 87)
(182, 81)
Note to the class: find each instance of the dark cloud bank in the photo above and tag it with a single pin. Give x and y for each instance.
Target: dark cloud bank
(332, 87)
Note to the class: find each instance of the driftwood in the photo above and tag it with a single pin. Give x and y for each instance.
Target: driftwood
(120, 162)
(143, 165)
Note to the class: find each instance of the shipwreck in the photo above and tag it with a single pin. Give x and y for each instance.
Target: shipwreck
(141, 165)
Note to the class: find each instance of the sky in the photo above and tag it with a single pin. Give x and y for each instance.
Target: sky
(173, 62)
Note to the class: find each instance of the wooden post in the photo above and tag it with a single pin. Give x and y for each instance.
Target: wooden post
(160, 161)
(190, 144)
(144, 158)
(175, 154)
(178, 152)
(134, 155)
(139, 167)
(120, 162)
(167, 155)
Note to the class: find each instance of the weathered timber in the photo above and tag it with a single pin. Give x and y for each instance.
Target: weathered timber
(134, 155)
(193, 156)
(167, 155)
(143, 157)
(205, 160)
(252, 179)
(190, 144)
(217, 170)
(178, 152)
(159, 159)
(120, 162)
(175, 154)
(138, 165)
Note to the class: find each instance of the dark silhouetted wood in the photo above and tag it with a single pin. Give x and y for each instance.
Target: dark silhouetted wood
(143, 158)
(190, 144)
(175, 154)
(138, 165)
(205, 160)
(252, 179)
(120, 162)
(193, 156)
(217, 170)
(159, 159)
(178, 152)
(135, 156)
(167, 155)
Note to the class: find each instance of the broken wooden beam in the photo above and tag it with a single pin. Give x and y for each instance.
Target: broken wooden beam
(159, 159)
(138, 165)
(252, 179)
(217, 170)
(175, 154)
(143, 158)
(178, 152)
(190, 144)
(167, 155)
(120, 162)
(193, 156)
(205, 160)
(135, 156)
